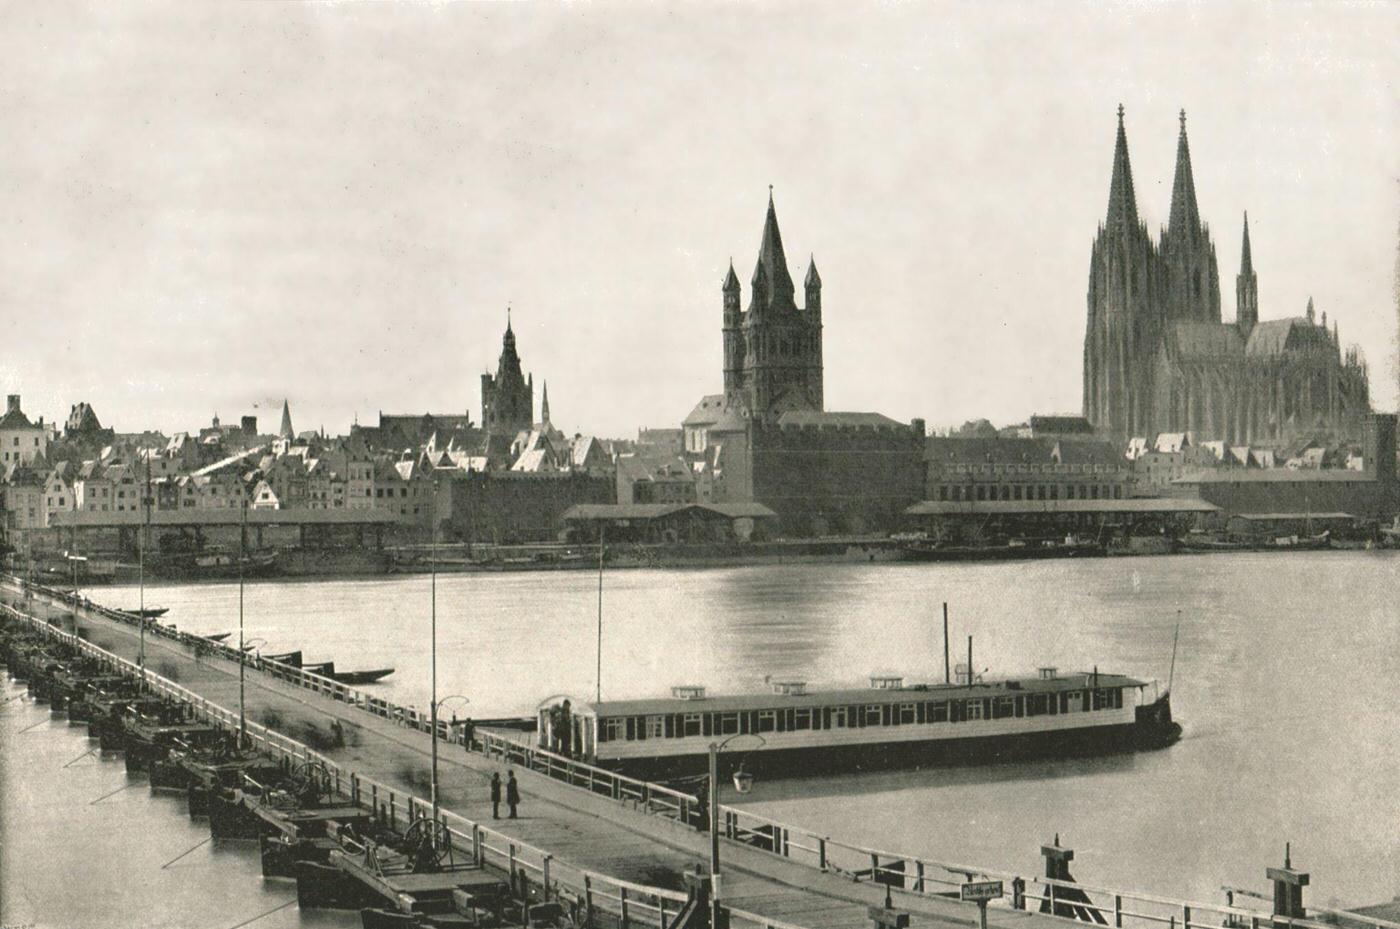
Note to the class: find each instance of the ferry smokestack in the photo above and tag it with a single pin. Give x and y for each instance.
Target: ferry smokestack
(947, 668)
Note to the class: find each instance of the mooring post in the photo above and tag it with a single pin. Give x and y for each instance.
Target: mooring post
(1288, 888)
(1057, 859)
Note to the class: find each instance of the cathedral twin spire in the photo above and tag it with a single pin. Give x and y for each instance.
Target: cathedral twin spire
(1122, 204)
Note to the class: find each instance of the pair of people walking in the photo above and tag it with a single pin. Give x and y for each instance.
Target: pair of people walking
(512, 794)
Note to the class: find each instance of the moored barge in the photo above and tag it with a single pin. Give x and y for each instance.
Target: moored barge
(888, 725)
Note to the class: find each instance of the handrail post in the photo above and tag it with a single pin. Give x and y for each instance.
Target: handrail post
(544, 877)
(1118, 911)
(919, 876)
(821, 853)
(477, 858)
(512, 865)
(624, 922)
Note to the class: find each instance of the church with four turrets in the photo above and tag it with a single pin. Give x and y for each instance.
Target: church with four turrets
(1157, 356)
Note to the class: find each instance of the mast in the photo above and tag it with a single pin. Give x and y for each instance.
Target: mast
(598, 693)
(947, 668)
(1171, 672)
(141, 534)
(242, 655)
(432, 564)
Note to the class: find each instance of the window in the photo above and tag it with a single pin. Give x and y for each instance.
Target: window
(611, 730)
(767, 721)
(837, 717)
(872, 714)
(974, 709)
(801, 719)
(656, 728)
(691, 724)
(906, 714)
(938, 712)
(728, 723)
(1002, 707)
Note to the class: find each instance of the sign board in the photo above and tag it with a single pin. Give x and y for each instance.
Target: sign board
(981, 891)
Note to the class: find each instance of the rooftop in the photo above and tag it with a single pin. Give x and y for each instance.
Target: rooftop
(1034, 507)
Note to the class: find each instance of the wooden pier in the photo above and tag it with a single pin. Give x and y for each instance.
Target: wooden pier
(593, 842)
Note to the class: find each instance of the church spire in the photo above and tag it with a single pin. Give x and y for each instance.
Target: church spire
(772, 262)
(1246, 288)
(1122, 204)
(1246, 260)
(544, 405)
(286, 430)
(1185, 217)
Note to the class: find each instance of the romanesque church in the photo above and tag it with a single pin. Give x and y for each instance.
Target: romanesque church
(1158, 358)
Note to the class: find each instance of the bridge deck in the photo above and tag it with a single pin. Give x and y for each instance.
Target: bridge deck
(584, 829)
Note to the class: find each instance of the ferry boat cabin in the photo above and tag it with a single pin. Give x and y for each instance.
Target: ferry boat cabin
(888, 724)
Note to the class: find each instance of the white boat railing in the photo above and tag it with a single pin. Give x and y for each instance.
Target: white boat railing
(903, 872)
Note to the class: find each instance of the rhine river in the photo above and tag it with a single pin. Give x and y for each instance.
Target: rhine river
(1285, 684)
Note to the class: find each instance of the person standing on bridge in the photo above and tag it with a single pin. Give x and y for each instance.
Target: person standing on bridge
(512, 794)
(495, 794)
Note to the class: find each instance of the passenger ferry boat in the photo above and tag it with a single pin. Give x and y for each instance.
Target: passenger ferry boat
(888, 725)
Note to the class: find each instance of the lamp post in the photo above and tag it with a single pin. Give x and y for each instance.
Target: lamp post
(242, 655)
(437, 706)
(743, 783)
(141, 534)
(432, 568)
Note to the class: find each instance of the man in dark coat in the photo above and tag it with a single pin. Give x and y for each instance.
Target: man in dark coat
(512, 794)
(496, 795)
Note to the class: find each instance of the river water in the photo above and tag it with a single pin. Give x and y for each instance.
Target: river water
(1285, 683)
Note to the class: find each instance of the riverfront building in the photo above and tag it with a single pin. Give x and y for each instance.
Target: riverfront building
(1158, 357)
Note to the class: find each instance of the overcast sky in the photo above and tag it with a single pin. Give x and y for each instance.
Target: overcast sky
(204, 208)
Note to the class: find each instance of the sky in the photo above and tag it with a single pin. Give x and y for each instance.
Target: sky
(207, 208)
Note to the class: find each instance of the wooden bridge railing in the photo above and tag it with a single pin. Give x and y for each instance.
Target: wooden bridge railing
(582, 889)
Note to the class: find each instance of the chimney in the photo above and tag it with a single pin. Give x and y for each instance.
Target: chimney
(12, 403)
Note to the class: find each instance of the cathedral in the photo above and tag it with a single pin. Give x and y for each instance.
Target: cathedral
(1158, 358)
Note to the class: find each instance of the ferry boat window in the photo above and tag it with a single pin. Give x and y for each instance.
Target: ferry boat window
(1002, 707)
(707, 723)
(767, 721)
(801, 719)
(921, 713)
(887, 715)
(786, 720)
(691, 724)
(938, 712)
(635, 730)
(1020, 706)
(612, 730)
(872, 714)
(656, 728)
(974, 709)
(728, 723)
(856, 718)
(1037, 705)
(906, 713)
(835, 717)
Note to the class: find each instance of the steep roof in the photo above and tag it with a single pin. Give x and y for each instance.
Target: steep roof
(707, 411)
(1192, 339)
(1185, 218)
(1122, 203)
(772, 262)
(1246, 260)
(15, 419)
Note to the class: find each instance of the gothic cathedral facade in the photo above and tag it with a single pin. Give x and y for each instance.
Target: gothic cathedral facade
(1158, 358)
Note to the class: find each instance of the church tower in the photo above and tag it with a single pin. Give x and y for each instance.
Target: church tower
(508, 399)
(1126, 291)
(1246, 289)
(1193, 280)
(773, 351)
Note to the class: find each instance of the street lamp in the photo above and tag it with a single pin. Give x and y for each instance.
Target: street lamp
(437, 706)
(743, 783)
(242, 647)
